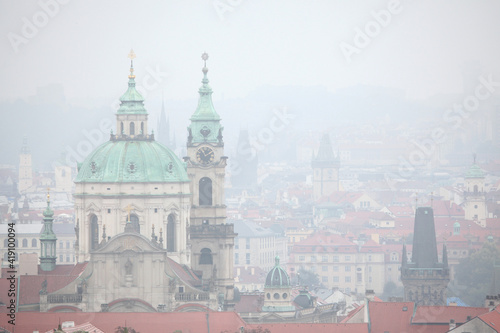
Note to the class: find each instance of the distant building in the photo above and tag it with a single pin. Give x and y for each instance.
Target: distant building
(340, 263)
(325, 167)
(27, 239)
(257, 246)
(424, 278)
(64, 181)
(25, 168)
(475, 196)
(244, 165)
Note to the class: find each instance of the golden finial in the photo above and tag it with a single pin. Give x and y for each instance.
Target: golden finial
(131, 56)
(48, 194)
(128, 208)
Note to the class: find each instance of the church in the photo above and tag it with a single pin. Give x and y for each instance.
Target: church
(151, 229)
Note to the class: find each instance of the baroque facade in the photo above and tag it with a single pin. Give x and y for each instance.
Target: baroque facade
(150, 228)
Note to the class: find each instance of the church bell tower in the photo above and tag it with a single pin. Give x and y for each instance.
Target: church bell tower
(212, 240)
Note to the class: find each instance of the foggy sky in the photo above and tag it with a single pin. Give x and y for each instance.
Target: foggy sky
(84, 46)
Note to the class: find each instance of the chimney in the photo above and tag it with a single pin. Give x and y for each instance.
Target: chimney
(452, 324)
(370, 294)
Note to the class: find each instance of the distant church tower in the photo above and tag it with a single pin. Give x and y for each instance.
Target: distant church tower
(475, 196)
(244, 165)
(25, 168)
(164, 128)
(424, 278)
(48, 240)
(212, 239)
(325, 170)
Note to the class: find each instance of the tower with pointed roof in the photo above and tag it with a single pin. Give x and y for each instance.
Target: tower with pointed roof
(475, 196)
(164, 127)
(424, 278)
(48, 240)
(25, 168)
(244, 165)
(325, 167)
(212, 240)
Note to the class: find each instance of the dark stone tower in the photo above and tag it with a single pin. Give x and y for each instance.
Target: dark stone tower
(325, 170)
(424, 278)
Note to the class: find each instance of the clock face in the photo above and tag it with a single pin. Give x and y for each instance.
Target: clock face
(205, 155)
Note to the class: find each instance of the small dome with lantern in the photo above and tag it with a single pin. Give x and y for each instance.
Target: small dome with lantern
(277, 277)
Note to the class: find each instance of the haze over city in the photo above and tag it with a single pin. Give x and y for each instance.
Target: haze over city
(237, 165)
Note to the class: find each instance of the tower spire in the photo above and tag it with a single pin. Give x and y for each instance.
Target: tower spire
(205, 122)
(48, 239)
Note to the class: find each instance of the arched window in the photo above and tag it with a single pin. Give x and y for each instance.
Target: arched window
(135, 223)
(25, 242)
(121, 127)
(475, 188)
(33, 242)
(206, 257)
(142, 128)
(205, 191)
(132, 128)
(171, 233)
(94, 232)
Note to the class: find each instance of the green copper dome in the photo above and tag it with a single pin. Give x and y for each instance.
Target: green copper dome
(474, 172)
(277, 277)
(132, 161)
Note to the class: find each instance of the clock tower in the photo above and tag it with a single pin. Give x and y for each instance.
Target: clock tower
(211, 238)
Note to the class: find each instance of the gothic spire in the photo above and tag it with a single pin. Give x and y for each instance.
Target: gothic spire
(424, 239)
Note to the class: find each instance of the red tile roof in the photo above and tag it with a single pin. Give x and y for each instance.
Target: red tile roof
(30, 285)
(187, 322)
(492, 318)
(316, 328)
(85, 327)
(325, 242)
(390, 316)
(443, 314)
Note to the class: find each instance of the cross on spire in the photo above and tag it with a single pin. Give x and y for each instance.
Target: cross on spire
(128, 209)
(131, 56)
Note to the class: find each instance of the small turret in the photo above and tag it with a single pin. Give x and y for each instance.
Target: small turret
(48, 240)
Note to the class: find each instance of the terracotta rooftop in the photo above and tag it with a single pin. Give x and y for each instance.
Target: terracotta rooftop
(187, 322)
